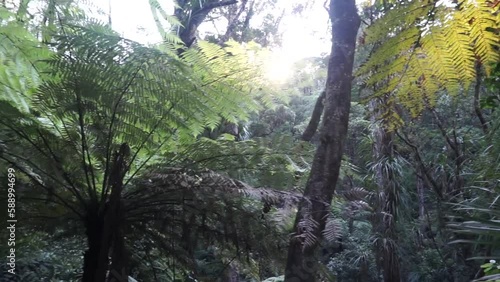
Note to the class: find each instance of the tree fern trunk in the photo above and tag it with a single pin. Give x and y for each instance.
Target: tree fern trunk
(95, 260)
(104, 229)
(311, 217)
(388, 199)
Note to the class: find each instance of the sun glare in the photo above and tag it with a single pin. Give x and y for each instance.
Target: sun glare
(302, 36)
(278, 68)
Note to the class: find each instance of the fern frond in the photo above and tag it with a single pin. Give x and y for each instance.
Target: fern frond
(307, 225)
(354, 194)
(484, 23)
(430, 48)
(208, 207)
(20, 54)
(333, 229)
(276, 162)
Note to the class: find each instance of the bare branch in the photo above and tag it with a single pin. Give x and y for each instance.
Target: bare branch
(312, 127)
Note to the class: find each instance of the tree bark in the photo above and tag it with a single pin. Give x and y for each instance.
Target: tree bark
(313, 210)
(315, 118)
(93, 260)
(477, 96)
(105, 229)
(191, 20)
(387, 206)
(421, 197)
(233, 17)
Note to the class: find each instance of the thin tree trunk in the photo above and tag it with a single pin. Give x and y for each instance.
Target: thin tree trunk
(22, 11)
(196, 16)
(456, 184)
(313, 210)
(423, 168)
(110, 23)
(421, 199)
(48, 20)
(477, 95)
(315, 118)
(388, 199)
(232, 22)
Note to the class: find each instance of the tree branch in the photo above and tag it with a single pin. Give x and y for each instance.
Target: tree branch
(315, 118)
(422, 166)
(212, 5)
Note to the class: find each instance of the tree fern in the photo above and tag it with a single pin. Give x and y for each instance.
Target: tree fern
(19, 56)
(105, 98)
(430, 47)
(277, 162)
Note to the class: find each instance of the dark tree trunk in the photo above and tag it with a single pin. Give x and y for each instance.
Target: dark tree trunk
(233, 17)
(191, 18)
(119, 255)
(311, 217)
(95, 261)
(388, 204)
(421, 198)
(104, 229)
(312, 126)
(424, 226)
(477, 97)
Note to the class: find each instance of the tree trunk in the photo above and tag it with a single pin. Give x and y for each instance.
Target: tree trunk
(477, 98)
(104, 230)
(191, 18)
(233, 17)
(95, 261)
(313, 210)
(421, 198)
(312, 126)
(388, 191)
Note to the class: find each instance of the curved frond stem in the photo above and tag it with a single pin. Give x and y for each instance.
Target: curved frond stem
(22, 52)
(39, 183)
(417, 42)
(215, 157)
(159, 203)
(105, 187)
(13, 89)
(32, 143)
(137, 193)
(149, 158)
(43, 200)
(65, 127)
(222, 77)
(422, 166)
(62, 170)
(150, 133)
(91, 189)
(73, 191)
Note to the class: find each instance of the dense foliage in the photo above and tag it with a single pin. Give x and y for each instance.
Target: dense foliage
(182, 161)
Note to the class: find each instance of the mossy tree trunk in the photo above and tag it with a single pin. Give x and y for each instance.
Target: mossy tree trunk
(313, 210)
